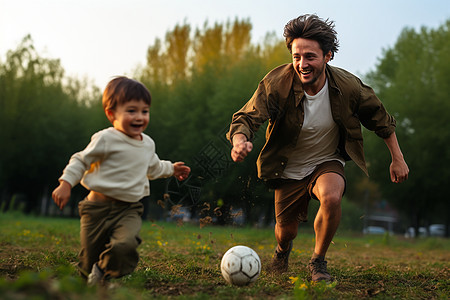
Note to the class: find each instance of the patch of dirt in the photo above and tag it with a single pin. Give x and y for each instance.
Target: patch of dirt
(178, 289)
(11, 260)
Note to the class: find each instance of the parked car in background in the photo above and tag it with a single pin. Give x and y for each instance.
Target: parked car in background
(433, 230)
(410, 232)
(437, 230)
(374, 230)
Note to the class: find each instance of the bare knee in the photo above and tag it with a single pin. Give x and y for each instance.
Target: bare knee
(330, 209)
(330, 200)
(329, 189)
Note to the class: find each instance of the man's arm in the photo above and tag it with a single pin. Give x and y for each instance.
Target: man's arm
(398, 169)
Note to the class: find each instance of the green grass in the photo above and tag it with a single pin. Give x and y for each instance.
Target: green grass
(181, 261)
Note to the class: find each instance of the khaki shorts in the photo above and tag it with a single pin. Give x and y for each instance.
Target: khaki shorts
(292, 196)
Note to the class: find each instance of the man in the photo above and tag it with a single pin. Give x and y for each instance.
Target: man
(315, 112)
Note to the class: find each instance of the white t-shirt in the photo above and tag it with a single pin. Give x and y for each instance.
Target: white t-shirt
(318, 140)
(117, 166)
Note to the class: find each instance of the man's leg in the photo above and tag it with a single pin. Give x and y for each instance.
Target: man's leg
(329, 189)
(291, 205)
(284, 234)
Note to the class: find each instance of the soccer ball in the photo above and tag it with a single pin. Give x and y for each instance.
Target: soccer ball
(240, 265)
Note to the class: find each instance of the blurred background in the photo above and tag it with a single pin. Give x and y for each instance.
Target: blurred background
(201, 62)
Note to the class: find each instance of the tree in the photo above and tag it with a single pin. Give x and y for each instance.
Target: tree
(412, 80)
(41, 121)
(190, 114)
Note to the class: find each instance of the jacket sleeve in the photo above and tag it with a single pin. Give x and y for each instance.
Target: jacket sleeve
(85, 160)
(251, 116)
(373, 114)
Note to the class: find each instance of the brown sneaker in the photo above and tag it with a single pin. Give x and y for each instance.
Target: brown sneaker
(280, 260)
(318, 269)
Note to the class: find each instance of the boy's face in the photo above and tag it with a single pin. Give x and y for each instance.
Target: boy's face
(130, 118)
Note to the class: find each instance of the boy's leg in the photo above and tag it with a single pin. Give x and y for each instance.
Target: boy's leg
(121, 257)
(93, 233)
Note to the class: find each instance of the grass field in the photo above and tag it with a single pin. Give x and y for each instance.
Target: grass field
(182, 261)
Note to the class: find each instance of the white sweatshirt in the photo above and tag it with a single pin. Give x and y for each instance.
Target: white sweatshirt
(117, 166)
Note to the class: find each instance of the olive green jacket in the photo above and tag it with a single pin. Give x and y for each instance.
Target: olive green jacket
(278, 99)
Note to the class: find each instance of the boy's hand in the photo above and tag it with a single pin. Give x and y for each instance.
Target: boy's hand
(61, 195)
(181, 171)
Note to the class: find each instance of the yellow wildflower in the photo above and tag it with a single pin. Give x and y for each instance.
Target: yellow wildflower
(293, 279)
(303, 286)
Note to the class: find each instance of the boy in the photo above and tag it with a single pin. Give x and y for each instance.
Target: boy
(115, 167)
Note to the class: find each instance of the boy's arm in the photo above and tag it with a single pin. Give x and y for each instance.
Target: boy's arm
(159, 168)
(79, 163)
(82, 161)
(165, 168)
(61, 195)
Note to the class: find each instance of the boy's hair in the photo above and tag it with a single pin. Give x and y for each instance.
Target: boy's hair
(313, 28)
(121, 90)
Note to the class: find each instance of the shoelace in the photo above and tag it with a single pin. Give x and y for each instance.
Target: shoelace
(319, 266)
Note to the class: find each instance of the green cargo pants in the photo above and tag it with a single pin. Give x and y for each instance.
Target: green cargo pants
(109, 233)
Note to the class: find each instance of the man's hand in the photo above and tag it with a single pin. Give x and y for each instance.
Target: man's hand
(181, 171)
(399, 171)
(61, 195)
(241, 147)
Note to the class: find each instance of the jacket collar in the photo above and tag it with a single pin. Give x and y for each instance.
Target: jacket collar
(298, 88)
(331, 81)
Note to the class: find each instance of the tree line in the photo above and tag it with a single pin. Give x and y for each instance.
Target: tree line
(198, 78)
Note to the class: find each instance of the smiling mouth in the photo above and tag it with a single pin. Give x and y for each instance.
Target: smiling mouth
(306, 72)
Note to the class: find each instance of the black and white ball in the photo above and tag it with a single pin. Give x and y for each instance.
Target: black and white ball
(240, 265)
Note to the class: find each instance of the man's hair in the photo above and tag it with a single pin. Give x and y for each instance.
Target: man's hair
(313, 28)
(121, 90)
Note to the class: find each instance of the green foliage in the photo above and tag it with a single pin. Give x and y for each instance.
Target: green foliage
(412, 80)
(193, 105)
(42, 120)
(352, 214)
(313, 290)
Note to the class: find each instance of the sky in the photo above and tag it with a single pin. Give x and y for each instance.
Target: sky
(99, 39)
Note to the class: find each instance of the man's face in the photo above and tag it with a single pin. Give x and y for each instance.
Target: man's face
(309, 63)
